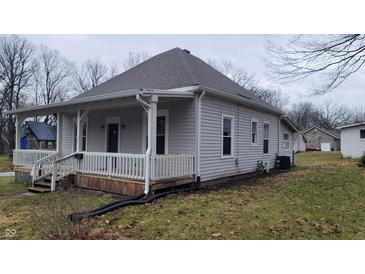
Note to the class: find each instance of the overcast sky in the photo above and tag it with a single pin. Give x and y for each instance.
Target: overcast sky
(245, 51)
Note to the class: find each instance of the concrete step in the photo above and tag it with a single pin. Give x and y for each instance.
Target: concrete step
(39, 189)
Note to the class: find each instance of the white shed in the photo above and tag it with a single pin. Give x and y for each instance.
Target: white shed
(353, 140)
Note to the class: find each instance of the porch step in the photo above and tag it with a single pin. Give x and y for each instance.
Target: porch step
(37, 189)
(43, 184)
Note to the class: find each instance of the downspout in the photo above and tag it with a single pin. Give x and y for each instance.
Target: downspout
(279, 126)
(147, 108)
(198, 143)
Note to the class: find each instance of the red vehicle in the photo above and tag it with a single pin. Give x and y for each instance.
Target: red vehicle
(311, 147)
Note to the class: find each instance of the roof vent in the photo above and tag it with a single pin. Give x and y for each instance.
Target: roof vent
(187, 51)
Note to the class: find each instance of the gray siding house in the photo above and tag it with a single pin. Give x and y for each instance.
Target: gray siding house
(172, 117)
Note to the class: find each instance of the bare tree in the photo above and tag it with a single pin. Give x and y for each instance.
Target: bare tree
(16, 69)
(303, 115)
(135, 58)
(331, 115)
(332, 58)
(249, 82)
(357, 115)
(51, 78)
(91, 74)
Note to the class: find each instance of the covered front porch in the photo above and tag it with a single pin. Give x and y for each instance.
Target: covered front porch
(147, 137)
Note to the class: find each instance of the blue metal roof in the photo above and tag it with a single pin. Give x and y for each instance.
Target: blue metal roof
(42, 131)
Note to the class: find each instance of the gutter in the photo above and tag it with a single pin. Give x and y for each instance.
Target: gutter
(114, 95)
(198, 130)
(147, 108)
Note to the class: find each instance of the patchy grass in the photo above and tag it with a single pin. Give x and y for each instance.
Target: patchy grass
(8, 186)
(45, 216)
(322, 198)
(5, 164)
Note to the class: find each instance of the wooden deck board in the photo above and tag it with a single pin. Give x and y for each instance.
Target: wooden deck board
(124, 186)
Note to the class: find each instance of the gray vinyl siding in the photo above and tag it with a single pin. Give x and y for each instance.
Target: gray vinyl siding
(66, 134)
(245, 157)
(130, 136)
(181, 128)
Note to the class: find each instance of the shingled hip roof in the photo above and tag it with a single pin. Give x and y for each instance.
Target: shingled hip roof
(175, 68)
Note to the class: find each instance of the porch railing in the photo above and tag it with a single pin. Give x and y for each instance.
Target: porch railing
(172, 166)
(43, 167)
(26, 157)
(114, 164)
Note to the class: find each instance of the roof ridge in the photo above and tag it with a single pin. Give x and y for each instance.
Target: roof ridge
(187, 65)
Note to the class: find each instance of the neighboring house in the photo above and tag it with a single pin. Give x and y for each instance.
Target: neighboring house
(38, 135)
(322, 139)
(299, 142)
(353, 140)
(170, 118)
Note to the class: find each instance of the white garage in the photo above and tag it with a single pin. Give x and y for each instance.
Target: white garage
(325, 146)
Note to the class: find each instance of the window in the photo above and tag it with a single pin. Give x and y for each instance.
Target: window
(74, 144)
(227, 129)
(254, 131)
(161, 135)
(266, 138)
(286, 141)
(83, 135)
(362, 133)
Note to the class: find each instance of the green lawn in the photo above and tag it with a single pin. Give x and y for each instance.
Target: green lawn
(9, 187)
(322, 198)
(5, 164)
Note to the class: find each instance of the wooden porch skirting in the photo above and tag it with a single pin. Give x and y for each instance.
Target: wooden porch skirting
(112, 185)
(124, 186)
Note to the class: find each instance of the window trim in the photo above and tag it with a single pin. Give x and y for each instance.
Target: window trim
(231, 117)
(73, 145)
(284, 141)
(257, 131)
(361, 139)
(160, 112)
(263, 138)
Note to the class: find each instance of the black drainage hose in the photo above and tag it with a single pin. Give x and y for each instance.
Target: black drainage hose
(137, 200)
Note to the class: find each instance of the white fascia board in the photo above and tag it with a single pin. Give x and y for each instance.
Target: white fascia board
(53, 107)
(351, 125)
(185, 92)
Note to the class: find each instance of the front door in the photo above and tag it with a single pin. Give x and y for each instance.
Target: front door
(113, 137)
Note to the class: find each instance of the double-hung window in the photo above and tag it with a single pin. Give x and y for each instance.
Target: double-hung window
(266, 138)
(254, 124)
(362, 134)
(227, 136)
(83, 135)
(286, 141)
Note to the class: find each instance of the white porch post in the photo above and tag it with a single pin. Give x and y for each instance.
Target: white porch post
(18, 131)
(78, 131)
(59, 130)
(153, 124)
